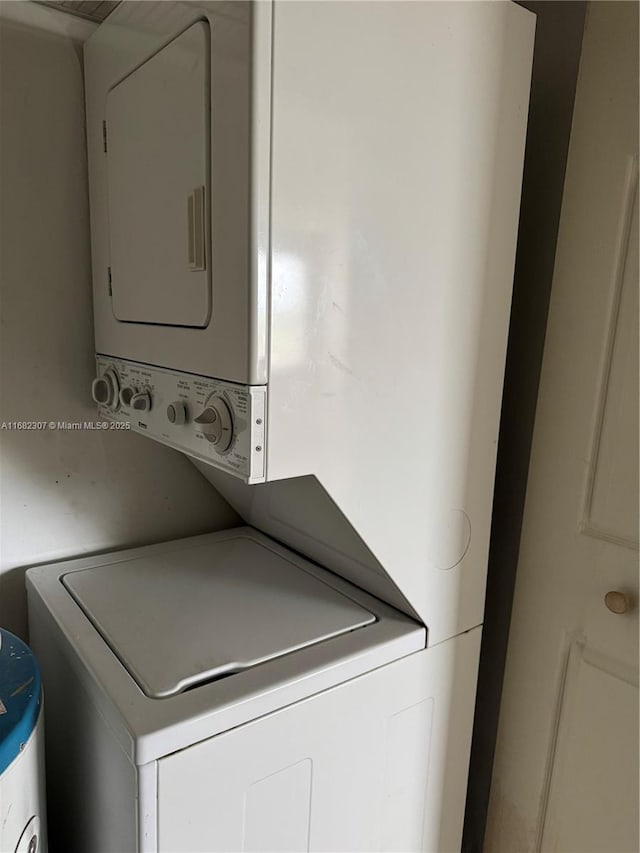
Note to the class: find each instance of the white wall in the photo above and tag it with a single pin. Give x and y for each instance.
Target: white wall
(63, 493)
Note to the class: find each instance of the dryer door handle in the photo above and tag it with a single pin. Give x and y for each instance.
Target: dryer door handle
(196, 220)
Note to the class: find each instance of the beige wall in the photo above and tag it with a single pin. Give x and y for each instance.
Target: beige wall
(63, 493)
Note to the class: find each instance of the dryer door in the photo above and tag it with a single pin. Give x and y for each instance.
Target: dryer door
(157, 142)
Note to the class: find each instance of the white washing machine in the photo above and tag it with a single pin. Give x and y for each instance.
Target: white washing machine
(223, 693)
(22, 798)
(303, 223)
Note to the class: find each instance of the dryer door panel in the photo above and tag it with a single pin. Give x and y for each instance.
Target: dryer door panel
(157, 147)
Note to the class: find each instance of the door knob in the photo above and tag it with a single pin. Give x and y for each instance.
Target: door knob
(618, 602)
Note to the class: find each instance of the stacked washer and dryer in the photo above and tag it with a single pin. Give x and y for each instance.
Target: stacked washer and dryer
(303, 220)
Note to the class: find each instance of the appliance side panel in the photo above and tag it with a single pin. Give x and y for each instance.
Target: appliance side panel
(92, 793)
(148, 808)
(260, 188)
(398, 141)
(379, 763)
(298, 511)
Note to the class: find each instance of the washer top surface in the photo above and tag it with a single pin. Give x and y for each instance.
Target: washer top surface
(176, 620)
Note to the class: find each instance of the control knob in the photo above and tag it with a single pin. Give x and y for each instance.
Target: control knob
(105, 389)
(141, 401)
(216, 424)
(176, 413)
(126, 394)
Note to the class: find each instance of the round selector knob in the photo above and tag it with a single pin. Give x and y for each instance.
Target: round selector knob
(216, 424)
(176, 413)
(126, 394)
(105, 389)
(141, 401)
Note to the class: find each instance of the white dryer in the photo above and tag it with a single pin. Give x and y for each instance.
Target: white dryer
(303, 224)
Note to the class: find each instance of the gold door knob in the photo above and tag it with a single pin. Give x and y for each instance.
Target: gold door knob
(617, 602)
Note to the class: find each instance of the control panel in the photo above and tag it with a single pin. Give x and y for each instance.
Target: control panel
(219, 422)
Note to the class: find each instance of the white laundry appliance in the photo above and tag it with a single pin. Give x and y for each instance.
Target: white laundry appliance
(303, 219)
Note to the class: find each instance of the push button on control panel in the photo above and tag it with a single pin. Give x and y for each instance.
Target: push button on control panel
(176, 413)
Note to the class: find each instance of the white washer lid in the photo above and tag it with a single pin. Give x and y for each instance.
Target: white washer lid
(179, 619)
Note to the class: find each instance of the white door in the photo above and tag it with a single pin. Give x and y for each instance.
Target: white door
(157, 148)
(566, 768)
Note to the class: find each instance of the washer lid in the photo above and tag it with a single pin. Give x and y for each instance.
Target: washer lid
(179, 619)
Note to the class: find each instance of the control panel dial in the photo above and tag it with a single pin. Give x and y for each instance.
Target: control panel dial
(141, 401)
(126, 394)
(105, 389)
(216, 423)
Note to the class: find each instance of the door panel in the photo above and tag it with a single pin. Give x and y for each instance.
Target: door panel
(612, 495)
(593, 799)
(157, 141)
